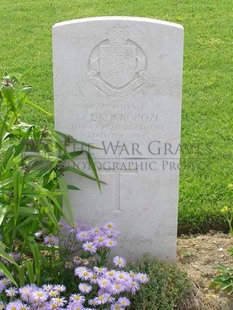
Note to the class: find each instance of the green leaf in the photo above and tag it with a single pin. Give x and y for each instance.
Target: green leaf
(72, 187)
(36, 255)
(37, 107)
(19, 148)
(8, 95)
(3, 210)
(58, 212)
(18, 186)
(222, 278)
(7, 256)
(64, 189)
(7, 160)
(7, 273)
(93, 168)
(40, 193)
(22, 96)
(65, 136)
(6, 182)
(3, 128)
(226, 285)
(39, 165)
(28, 220)
(48, 209)
(70, 155)
(30, 270)
(81, 173)
(21, 270)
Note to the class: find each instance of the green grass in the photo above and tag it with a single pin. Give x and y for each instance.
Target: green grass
(207, 115)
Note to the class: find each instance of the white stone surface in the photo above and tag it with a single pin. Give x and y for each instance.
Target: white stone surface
(118, 82)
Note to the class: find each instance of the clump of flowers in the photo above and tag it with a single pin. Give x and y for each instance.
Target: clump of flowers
(83, 280)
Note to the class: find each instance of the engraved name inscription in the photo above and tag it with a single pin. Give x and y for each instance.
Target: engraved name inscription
(97, 125)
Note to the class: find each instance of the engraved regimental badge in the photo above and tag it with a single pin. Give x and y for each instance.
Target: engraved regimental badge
(117, 66)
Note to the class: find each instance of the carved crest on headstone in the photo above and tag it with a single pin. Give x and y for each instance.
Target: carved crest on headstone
(117, 66)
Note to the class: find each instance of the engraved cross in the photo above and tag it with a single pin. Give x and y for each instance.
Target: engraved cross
(117, 175)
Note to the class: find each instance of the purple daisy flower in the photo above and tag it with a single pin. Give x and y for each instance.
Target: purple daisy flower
(89, 247)
(85, 288)
(51, 240)
(119, 261)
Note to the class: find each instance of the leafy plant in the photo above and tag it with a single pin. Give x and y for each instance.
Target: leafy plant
(168, 288)
(224, 279)
(33, 188)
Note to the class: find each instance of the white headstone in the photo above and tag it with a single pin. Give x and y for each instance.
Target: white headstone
(118, 85)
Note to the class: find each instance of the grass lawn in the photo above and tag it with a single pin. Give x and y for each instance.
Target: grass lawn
(207, 115)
